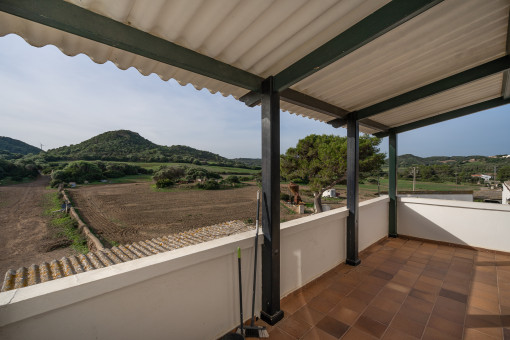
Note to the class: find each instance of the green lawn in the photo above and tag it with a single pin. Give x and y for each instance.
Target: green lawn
(406, 185)
(218, 169)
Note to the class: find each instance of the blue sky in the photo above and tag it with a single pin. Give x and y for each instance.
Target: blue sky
(47, 97)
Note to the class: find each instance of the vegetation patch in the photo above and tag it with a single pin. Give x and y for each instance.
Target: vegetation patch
(17, 170)
(64, 225)
(83, 172)
(184, 177)
(289, 210)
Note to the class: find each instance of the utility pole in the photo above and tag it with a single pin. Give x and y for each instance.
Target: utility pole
(414, 177)
(379, 183)
(456, 182)
(42, 146)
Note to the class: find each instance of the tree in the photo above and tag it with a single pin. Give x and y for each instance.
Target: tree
(322, 161)
(504, 173)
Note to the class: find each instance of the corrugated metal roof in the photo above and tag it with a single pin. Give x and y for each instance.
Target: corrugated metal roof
(472, 93)
(451, 37)
(72, 265)
(264, 37)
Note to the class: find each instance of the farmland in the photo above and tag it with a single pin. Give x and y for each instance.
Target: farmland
(130, 209)
(27, 236)
(122, 213)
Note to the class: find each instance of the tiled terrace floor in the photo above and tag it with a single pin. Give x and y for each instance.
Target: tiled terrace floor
(404, 289)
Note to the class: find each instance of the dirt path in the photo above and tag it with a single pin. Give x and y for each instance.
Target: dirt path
(24, 234)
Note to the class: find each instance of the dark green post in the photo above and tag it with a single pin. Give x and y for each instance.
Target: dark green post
(392, 190)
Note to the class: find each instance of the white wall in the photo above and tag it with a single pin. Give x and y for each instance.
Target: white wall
(505, 198)
(373, 221)
(442, 196)
(189, 293)
(483, 225)
(313, 245)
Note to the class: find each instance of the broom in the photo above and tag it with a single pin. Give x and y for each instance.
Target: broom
(252, 330)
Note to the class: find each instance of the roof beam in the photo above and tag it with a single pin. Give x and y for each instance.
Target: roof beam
(489, 104)
(297, 98)
(373, 26)
(308, 102)
(505, 91)
(79, 21)
(487, 69)
(371, 124)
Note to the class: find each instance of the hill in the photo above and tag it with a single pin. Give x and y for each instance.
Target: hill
(125, 145)
(16, 146)
(408, 160)
(254, 162)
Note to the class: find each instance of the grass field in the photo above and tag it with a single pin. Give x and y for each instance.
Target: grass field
(405, 185)
(218, 169)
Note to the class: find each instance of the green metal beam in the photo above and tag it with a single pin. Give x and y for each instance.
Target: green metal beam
(487, 69)
(505, 89)
(252, 99)
(392, 190)
(373, 26)
(489, 104)
(79, 21)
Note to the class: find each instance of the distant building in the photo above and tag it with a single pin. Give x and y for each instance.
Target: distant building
(329, 193)
(505, 196)
(486, 178)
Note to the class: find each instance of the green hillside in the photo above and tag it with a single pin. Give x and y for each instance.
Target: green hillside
(125, 145)
(16, 146)
(412, 160)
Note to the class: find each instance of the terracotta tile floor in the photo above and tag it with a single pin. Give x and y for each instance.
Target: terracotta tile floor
(404, 289)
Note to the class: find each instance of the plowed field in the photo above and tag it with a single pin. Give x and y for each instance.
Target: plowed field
(25, 237)
(124, 213)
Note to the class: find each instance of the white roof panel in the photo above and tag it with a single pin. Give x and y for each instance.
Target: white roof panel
(472, 93)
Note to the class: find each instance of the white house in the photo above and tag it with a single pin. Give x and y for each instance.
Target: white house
(329, 193)
(486, 178)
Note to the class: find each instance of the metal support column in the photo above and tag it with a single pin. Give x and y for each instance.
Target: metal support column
(270, 100)
(352, 190)
(392, 190)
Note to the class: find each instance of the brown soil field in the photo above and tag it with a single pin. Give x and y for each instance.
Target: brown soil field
(131, 212)
(124, 213)
(26, 238)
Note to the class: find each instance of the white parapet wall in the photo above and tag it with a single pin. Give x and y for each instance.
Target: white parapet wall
(505, 196)
(481, 225)
(189, 293)
(313, 245)
(442, 195)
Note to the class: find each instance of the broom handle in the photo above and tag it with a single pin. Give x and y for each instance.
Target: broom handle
(255, 261)
(240, 289)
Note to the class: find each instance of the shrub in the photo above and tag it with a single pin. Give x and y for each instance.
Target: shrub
(81, 171)
(232, 179)
(372, 180)
(210, 184)
(193, 174)
(284, 196)
(171, 173)
(164, 183)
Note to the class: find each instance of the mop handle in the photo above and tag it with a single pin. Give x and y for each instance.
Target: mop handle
(240, 289)
(255, 261)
